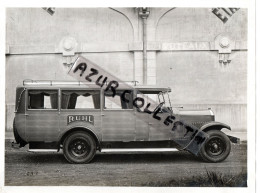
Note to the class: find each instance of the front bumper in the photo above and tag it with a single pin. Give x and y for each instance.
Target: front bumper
(234, 139)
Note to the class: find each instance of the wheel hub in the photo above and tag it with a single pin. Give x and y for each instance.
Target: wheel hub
(79, 147)
(215, 146)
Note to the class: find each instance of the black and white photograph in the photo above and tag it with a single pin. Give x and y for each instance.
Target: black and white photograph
(144, 97)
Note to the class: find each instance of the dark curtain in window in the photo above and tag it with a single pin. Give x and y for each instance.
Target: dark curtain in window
(65, 101)
(96, 100)
(54, 99)
(36, 101)
(127, 105)
(37, 98)
(73, 100)
(69, 98)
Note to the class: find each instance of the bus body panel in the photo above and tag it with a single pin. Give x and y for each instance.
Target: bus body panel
(87, 119)
(42, 125)
(118, 125)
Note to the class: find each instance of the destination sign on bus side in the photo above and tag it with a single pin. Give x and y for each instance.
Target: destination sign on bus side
(86, 118)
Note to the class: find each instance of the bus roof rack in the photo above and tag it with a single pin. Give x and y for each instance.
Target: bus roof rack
(28, 82)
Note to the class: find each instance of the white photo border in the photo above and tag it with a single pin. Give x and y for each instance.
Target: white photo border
(253, 72)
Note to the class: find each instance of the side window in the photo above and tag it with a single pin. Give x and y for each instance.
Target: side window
(150, 98)
(80, 99)
(122, 100)
(43, 99)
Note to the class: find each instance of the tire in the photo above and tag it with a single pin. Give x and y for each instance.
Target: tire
(79, 147)
(216, 148)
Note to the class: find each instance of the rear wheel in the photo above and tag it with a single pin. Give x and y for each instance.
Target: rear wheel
(79, 147)
(216, 148)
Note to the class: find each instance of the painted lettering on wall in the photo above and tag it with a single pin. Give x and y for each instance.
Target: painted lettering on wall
(224, 13)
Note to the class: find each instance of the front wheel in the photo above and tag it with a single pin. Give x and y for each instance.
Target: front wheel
(79, 147)
(216, 148)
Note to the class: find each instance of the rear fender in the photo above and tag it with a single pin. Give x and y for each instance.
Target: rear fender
(79, 128)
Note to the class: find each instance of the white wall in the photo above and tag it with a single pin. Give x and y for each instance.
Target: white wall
(182, 52)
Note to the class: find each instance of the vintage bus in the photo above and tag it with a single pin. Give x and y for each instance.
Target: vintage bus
(80, 119)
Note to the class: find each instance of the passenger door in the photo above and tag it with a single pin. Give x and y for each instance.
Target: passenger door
(141, 121)
(118, 118)
(42, 115)
(149, 128)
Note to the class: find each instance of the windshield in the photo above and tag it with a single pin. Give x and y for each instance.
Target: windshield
(165, 98)
(156, 97)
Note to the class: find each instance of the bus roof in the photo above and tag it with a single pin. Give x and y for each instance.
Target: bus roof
(47, 84)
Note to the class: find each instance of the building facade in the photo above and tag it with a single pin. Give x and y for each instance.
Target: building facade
(201, 53)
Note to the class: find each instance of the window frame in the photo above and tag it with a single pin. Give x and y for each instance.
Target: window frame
(42, 89)
(117, 109)
(144, 92)
(81, 109)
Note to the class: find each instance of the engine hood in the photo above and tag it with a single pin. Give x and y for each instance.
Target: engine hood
(196, 112)
(196, 116)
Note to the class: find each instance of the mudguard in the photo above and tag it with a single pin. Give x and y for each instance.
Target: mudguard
(217, 125)
(73, 128)
(214, 125)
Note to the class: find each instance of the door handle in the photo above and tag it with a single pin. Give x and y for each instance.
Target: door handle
(102, 114)
(26, 114)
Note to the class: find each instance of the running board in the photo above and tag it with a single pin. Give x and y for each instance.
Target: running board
(105, 150)
(43, 150)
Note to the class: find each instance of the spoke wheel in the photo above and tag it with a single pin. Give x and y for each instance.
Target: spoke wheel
(79, 147)
(216, 148)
